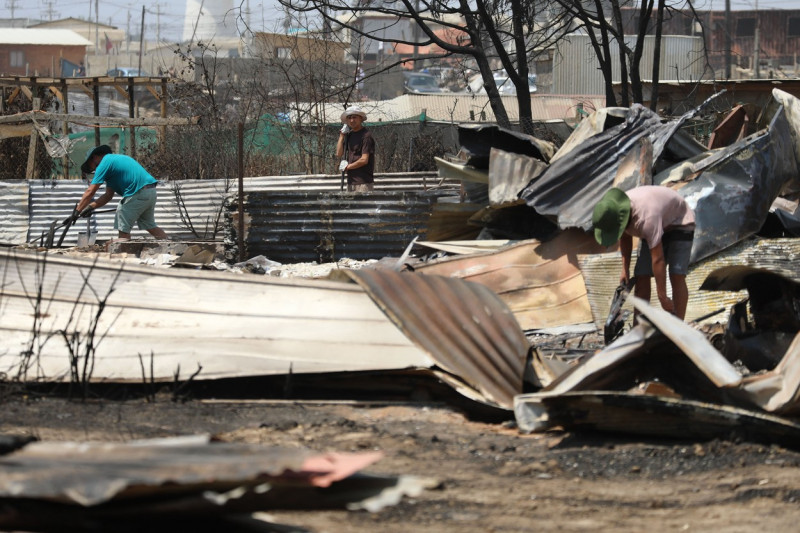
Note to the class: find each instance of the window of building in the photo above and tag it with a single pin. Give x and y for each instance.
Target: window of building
(283, 52)
(17, 58)
(746, 27)
(794, 27)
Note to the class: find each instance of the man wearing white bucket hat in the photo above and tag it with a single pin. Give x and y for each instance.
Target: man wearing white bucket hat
(356, 149)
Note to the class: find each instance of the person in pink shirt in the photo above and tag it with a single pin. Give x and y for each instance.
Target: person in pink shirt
(664, 223)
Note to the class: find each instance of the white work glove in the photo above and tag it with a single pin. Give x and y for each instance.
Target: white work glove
(342, 165)
(345, 129)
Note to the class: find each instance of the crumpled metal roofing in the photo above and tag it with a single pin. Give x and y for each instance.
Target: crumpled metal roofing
(477, 141)
(541, 282)
(464, 327)
(569, 188)
(731, 189)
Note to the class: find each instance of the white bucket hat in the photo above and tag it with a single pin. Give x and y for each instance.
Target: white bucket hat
(353, 110)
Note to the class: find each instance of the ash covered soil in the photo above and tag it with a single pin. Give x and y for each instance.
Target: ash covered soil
(491, 478)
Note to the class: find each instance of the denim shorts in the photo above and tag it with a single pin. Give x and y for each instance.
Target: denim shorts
(677, 246)
(139, 209)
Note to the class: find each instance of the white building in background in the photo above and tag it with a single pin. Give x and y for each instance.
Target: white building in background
(211, 20)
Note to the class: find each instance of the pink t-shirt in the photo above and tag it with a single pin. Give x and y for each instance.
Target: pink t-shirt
(656, 209)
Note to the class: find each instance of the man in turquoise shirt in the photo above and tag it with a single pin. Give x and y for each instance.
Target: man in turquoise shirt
(122, 175)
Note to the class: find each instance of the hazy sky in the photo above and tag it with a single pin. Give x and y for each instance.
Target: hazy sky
(165, 17)
(265, 15)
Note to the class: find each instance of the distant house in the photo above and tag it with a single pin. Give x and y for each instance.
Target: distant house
(104, 38)
(297, 47)
(39, 52)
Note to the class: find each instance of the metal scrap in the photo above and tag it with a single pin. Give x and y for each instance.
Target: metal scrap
(112, 486)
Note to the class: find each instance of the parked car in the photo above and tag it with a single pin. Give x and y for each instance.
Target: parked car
(126, 72)
(504, 84)
(419, 82)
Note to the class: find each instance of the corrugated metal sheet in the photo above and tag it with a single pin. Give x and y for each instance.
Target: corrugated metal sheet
(290, 227)
(203, 485)
(13, 211)
(181, 319)
(198, 208)
(601, 272)
(462, 325)
(580, 174)
(541, 283)
(575, 67)
(645, 414)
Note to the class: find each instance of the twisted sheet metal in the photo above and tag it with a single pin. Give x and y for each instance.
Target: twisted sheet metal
(731, 189)
(540, 282)
(464, 327)
(571, 186)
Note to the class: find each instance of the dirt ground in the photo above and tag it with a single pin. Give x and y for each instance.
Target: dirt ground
(491, 477)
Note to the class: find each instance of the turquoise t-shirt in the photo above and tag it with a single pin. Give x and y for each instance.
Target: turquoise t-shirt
(123, 174)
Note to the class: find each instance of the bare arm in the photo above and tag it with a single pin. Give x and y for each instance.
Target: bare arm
(625, 247)
(86, 199)
(660, 274)
(340, 145)
(360, 162)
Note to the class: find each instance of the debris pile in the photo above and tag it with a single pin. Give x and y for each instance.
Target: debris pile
(719, 373)
(475, 314)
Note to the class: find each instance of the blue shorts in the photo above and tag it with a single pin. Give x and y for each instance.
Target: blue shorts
(677, 246)
(139, 209)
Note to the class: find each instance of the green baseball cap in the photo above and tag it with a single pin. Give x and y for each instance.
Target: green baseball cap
(610, 216)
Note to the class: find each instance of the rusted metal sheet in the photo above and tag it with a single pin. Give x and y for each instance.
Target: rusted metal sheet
(732, 128)
(509, 173)
(293, 227)
(451, 221)
(541, 283)
(95, 486)
(460, 171)
(464, 327)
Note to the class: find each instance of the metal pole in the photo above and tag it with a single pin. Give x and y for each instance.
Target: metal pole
(727, 39)
(240, 155)
(141, 41)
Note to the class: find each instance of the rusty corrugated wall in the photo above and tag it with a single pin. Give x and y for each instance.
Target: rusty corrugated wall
(307, 226)
(464, 326)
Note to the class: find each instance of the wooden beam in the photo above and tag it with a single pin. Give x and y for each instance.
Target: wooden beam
(13, 95)
(90, 120)
(58, 94)
(121, 91)
(30, 171)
